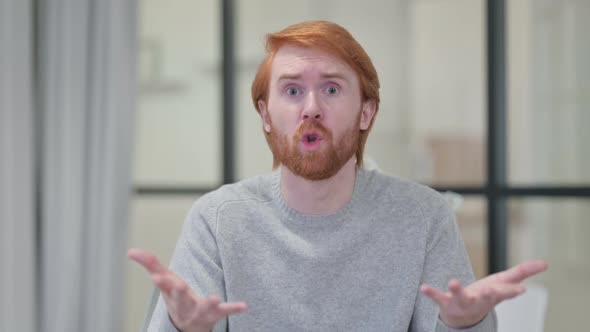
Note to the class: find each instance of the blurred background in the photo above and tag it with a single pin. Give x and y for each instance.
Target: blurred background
(489, 100)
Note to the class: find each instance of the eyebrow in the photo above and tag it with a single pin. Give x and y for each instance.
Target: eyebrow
(288, 76)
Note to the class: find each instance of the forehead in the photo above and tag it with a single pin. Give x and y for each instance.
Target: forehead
(294, 60)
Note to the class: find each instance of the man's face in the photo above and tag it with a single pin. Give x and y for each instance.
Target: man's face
(314, 111)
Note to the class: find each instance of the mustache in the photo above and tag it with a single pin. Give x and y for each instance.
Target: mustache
(312, 126)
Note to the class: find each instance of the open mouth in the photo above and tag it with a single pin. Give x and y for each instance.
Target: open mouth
(311, 138)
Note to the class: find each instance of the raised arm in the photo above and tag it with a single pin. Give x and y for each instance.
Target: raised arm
(463, 307)
(188, 311)
(193, 288)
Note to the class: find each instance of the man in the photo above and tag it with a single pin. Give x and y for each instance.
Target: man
(322, 244)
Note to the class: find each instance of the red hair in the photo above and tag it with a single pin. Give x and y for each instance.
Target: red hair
(333, 39)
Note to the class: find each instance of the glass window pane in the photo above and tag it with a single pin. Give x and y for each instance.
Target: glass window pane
(179, 117)
(556, 230)
(471, 218)
(430, 58)
(154, 225)
(446, 106)
(549, 91)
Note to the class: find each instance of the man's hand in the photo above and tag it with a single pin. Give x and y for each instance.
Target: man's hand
(188, 311)
(464, 307)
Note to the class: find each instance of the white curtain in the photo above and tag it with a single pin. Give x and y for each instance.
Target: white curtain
(17, 205)
(78, 117)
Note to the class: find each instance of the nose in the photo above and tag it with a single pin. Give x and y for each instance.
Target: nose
(312, 109)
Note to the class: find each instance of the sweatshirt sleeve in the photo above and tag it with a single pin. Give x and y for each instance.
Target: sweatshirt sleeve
(489, 323)
(195, 260)
(446, 258)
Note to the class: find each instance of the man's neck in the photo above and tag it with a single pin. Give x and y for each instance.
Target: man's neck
(319, 197)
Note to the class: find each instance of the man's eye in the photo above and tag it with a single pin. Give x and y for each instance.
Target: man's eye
(332, 90)
(293, 92)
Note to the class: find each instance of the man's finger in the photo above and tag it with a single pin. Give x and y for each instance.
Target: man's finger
(181, 289)
(209, 303)
(508, 291)
(148, 260)
(459, 293)
(522, 271)
(437, 296)
(177, 293)
(214, 299)
(164, 282)
(229, 308)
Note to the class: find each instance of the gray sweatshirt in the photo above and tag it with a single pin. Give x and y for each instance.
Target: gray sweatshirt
(358, 269)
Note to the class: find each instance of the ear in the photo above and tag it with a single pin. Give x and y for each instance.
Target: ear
(367, 113)
(265, 116)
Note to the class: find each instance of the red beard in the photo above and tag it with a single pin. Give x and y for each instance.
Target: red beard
(320, 164)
